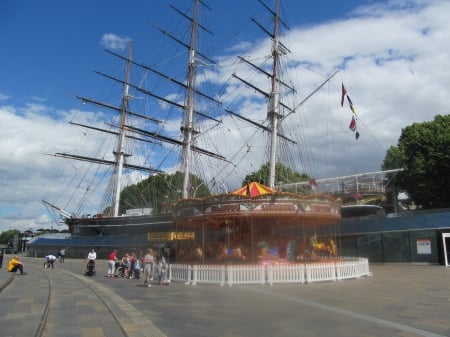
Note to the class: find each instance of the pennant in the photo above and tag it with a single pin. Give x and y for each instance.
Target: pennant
(313, 183)
(351, 104)
(357, 195)
(344, 92)
(352, 125)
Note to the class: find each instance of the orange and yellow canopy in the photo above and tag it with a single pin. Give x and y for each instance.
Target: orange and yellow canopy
(253, 189)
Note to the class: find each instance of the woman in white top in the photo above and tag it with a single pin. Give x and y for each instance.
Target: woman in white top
(92, 256)
(148, 262)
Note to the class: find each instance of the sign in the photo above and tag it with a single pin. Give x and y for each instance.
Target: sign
(423, 246)
(170, 236)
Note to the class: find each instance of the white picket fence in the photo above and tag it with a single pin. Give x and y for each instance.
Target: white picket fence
(332, 270)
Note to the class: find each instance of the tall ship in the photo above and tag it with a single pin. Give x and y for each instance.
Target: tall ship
(215, 169)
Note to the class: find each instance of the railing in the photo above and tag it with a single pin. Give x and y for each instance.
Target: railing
(329, 270)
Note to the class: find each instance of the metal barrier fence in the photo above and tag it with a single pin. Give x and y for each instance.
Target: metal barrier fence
(328, 270)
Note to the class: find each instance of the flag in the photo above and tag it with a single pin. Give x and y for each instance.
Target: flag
(356, 195)
(357, 135)
(352, 125)
(351, 104)
(344, 92)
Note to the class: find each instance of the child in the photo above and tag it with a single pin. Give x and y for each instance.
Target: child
(137, 269)
(162, 271)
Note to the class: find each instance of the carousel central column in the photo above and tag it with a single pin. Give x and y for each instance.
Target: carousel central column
(176, 243)
(252, 243)
(203, 242)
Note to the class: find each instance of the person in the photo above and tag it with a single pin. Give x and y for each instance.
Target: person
(49, 261)
(92, 256)
(148, 262)
(137, 268)
(112, 263)
(132, 260)
(15, 264)
(125, 265)
(162, 271)
(61, 254)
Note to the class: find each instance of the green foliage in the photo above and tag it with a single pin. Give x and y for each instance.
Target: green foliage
(159, 192)
(7, 236)
(394, 159)
(423, 153)
(283, 175)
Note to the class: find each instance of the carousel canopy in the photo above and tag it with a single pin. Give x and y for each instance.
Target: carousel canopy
(253, 189)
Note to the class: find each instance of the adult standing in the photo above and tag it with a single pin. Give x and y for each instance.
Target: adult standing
(112, 263)
(125, 265)
(148, 262)
(62, 254)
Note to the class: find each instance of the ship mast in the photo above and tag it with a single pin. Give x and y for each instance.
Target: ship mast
(119, 154)
(274, 105)
(126, 131)
(273, 113)
(277, 110)
(187, 126)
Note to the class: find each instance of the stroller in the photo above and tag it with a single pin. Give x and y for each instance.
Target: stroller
(90, 270)
(119, 269)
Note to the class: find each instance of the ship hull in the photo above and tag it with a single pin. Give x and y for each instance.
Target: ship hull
(122, 226)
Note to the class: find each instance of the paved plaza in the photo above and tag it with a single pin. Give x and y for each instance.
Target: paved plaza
(398, 300)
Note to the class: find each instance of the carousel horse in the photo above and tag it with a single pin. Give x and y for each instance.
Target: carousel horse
(268, 255)
(230, 253)
(323, 249)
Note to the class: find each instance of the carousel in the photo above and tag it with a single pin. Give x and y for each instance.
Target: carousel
(256, 224)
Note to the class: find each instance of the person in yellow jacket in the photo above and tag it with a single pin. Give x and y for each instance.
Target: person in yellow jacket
(15, 264)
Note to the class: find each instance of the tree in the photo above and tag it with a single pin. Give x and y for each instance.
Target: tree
(159, 192)
(423, 152)
(284, 175)
(7, 236)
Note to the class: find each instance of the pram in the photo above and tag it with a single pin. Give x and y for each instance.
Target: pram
(120, 269)
(90, 268)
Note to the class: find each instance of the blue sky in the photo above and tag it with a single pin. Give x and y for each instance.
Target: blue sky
(51, 48)
(392, 56)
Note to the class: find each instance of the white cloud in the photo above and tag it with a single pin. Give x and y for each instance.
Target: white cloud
(27, 174)
(114, 42)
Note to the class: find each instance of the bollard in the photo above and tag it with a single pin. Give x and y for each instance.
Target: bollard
(2, 253)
